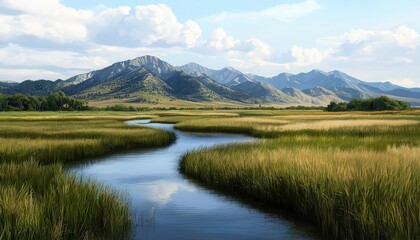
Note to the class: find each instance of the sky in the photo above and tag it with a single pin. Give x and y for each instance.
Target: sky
(56, 39)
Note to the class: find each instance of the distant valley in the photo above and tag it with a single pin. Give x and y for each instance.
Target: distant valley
(148, 79)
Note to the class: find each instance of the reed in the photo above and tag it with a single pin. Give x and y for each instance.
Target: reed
(55, 141)
(269, 127)
(44, 202)
(39, 200)
(355, 181)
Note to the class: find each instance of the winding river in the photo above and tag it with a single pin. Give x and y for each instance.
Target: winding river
(169, 206)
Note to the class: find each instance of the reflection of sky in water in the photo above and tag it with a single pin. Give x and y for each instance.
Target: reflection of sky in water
(180, 209)
(162, 191)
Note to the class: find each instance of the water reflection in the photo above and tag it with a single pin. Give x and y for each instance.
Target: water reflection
(173, 207)
(161, 191)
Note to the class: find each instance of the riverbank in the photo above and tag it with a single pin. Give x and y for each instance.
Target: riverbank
(39, 200)
(355, 176)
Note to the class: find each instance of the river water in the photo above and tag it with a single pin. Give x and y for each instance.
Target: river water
(169, 206)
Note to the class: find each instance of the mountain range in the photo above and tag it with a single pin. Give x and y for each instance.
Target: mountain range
(148, 79)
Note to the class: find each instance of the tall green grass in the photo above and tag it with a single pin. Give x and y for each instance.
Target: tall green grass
(56, 141)
(355, 183)
(39, 200)
(44, 202)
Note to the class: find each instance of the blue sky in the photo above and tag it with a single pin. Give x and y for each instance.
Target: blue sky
(373, 41)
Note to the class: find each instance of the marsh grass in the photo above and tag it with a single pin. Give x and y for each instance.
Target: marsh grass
(268, 127)
(244, 125)
(51, 141)
(356, 181)
(352, 195)
(44, 202)
(39, 200)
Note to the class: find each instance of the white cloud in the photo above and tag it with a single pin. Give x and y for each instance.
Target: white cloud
(47, 19)
(19, 74)
(144, 26)
(221, 41)
(371, 55)
(407, 37)
(257, 49)
(405, 82)
(124, 26)
(223, 44)
(308, 56)
(46, 39)
(280, 12)
(19, 56)
(375, 55)
(368, 41)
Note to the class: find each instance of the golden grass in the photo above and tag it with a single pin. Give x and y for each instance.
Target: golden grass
(51, 141)
(356, 175)
(351, 194)
(44, 202)
(330, 124)
(38, 200)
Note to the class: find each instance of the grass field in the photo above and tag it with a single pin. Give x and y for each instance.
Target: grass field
(356, 175)
(38, 200)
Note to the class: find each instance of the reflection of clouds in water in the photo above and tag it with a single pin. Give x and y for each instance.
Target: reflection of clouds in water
(161, 191)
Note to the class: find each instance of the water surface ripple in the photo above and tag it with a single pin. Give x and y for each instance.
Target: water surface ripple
(170, 206)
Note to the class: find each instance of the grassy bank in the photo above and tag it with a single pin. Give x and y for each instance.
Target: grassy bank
(44, 202)
(38, 200)
(356, 178)
(62, 141)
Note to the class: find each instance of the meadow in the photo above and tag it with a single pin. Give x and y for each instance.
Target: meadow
(356, 175)
(39, 200)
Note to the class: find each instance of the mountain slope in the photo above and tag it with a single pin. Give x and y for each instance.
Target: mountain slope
(324, 96)
(37, 87)
(264, 92)
(188, 87)
(314, 78)
(154, 65)
(137, 85)
(4, 87)
(196, 69)
(149, 79)
(343, 85)
(227, 76)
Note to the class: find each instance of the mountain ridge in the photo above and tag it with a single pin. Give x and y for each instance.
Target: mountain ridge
(149, 77)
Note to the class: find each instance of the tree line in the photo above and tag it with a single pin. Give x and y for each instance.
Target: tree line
(54, 102)
(372, 104)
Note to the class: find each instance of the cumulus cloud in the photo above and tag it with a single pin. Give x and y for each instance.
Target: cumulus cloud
(224, 44)
(60, 41)
(399, 46)
(308, 56)
(381, 44)
(27, 57)
(405, 82)
(151, 25)
(221, 41)
(373, 55)
(46, 39)
(379, 55)
(47, 19)
(280, 12)
(28, 63)
(123, 26)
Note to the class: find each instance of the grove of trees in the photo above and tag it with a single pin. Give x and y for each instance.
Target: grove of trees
(54, 102)
(372, 104)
